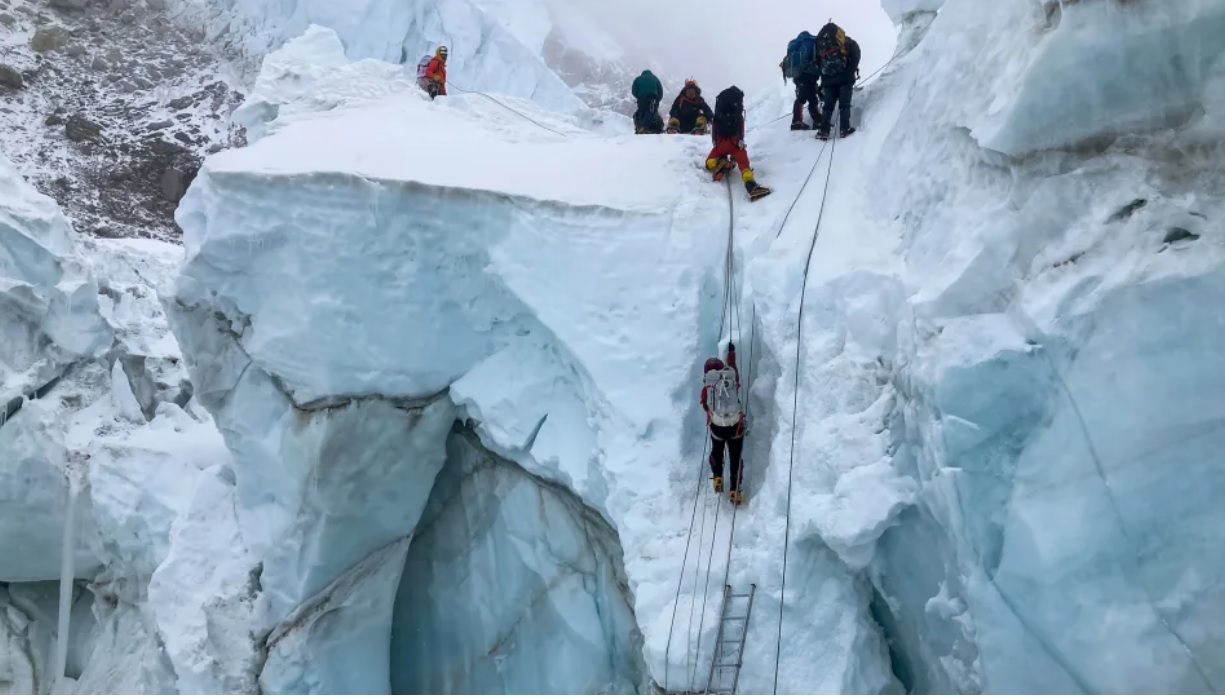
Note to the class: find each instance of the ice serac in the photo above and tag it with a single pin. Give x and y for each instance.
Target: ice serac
(512, 585)
(486, 38)
(900, 10)
(1093, 55)
(337, 348)
(50, 325)
(1059, 393)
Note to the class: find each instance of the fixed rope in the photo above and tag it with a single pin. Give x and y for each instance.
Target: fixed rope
(724, 323)
(505, 106)
(681, 578)
(795, 402)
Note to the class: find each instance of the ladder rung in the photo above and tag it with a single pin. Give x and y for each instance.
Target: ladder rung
(727, 664)
(734, 618)
(743, 595)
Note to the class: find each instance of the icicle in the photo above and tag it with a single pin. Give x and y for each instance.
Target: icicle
(67, 558)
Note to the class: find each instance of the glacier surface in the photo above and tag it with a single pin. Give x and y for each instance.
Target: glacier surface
(458, 406)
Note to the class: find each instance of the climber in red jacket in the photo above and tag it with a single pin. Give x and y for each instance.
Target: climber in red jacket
(434, 82)
(728, 135)
(725, 417)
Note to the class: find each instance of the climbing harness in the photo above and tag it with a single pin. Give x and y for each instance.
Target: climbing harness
(504, 106)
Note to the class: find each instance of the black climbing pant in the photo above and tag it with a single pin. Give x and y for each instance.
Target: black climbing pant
(839, 95)
(647, 119)
(806, 93)
(731, 439)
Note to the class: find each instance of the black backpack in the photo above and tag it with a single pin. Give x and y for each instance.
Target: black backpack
(729, 109)
(831, 51)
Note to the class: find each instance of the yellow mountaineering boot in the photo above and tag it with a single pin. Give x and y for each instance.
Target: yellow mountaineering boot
(735, 497)
(718, 484)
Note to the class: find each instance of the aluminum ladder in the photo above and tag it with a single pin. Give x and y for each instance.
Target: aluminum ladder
(729, 644)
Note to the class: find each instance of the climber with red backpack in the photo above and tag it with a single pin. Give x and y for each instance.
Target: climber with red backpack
(725, 417)
(838, 60)
(432, 73)
(728, 135)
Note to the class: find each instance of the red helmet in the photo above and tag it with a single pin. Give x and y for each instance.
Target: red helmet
(712, 364)
(691, 83)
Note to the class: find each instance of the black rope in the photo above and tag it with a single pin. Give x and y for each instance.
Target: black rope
(800, 193)
(691, 662)
(507, 107)
(795, 403)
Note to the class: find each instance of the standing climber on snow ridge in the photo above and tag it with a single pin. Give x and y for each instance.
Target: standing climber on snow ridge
(838, 58)
(728, 135)
(689, 113)
(432, 74)
(800, 64)
(725, 418)
(649, 92)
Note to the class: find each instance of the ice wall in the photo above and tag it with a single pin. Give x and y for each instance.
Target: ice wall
(512, 586)
(50, 326)
(1059, 400)
(486, 39)
(328, 354)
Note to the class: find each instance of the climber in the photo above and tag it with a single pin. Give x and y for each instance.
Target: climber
(800, 64)
(725, 418)
(838, 58)
(432, 74)
(649, 92)
(728, 135)
(689, 113)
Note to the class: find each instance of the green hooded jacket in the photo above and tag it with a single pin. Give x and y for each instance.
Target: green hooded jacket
(647, 85)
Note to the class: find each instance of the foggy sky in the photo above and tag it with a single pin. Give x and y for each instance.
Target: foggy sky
(718, 42)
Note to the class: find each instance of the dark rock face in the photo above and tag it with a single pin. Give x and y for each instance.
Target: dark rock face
(79, 129)
(49, 39)
(118, 106)
(10, 77)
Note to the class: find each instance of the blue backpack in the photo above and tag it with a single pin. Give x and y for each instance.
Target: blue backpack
(801, 55)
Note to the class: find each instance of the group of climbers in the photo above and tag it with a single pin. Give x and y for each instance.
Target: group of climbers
(824, 68)
(691, 114)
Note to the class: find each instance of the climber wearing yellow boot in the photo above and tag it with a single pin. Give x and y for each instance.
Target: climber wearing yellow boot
(690, 113)
(725, 418)
(728, 136)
